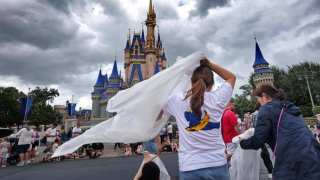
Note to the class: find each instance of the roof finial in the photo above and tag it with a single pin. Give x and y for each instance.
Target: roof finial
(129, 35)
(254, 35)
(100, 67)
(150, 7)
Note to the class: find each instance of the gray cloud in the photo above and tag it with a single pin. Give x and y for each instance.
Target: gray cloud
(203, 6)
(61, 5)
(47, 43)
(35, 24)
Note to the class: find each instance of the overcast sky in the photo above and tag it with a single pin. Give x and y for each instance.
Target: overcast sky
(62, 43)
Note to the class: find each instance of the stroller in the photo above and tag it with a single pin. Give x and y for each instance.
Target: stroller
(13, 158)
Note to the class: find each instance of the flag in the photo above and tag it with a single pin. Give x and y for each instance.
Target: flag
(72, 108)
(26, 104)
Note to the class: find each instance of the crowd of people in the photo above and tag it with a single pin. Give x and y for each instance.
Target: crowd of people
(206, 150)
(161, 143)
(22, 146)
(208, 135)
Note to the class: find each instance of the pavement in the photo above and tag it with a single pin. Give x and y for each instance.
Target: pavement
(113, 165)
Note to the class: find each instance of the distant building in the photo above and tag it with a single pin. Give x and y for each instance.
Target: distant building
(262, 72)
(61, 113)
(143, 57)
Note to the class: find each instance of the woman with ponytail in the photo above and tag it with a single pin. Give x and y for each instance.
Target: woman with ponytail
(281, 125)
(198, 113)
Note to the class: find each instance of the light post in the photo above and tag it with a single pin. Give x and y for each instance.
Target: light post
(307, 77)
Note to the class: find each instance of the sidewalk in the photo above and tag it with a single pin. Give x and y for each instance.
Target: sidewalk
(107, 152)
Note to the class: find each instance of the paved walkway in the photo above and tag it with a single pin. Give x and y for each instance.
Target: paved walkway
(107, 152)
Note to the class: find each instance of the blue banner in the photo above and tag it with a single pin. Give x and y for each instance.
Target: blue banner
(72, 108)
(26, 104)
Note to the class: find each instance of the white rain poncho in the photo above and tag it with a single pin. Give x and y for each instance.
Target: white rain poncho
(138, 108)
(164, 175)
(245, 164)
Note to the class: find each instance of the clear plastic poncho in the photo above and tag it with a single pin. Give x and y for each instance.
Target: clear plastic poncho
(138, 108)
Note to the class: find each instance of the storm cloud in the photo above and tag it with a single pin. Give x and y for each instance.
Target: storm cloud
(62, 44)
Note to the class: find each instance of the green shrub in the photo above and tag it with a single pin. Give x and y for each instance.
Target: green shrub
(316, 110)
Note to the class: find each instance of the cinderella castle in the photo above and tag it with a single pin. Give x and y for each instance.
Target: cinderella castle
(143, 57)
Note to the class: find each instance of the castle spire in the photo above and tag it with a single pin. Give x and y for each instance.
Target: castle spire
(259, 57)
(150, 7)
(142, 34)
(100, 79)
(114, 73)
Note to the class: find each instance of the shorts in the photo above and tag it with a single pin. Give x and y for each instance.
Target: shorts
(23, 148)
(150, 146)
(3, 154)
(231, 148)
(36, 143)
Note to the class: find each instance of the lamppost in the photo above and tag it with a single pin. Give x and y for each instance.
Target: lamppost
(307, 77)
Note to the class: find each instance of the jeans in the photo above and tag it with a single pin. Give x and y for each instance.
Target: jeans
(211, 173)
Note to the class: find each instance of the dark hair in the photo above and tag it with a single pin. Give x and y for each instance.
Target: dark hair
(271, 91)
(202, 77)
(55, 124)
(257, 106)
(150, 171)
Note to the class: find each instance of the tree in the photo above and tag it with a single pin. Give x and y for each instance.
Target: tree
(245, 102)
(41, 112)
(297, 91)
(10, 108)
(42, 95)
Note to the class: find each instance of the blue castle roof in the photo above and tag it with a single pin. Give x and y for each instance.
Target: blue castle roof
(127, 46)
(100, 80)
(136, 37)
(159, 39)
(164, 56)
(142, 36)
(114, 73)
(259, 57)
(135, 67)
(156, 68)
(262, 70)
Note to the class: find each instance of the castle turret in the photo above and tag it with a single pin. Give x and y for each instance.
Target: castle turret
(96, 95)
(114, 86)
(150, 43)
(262, 73)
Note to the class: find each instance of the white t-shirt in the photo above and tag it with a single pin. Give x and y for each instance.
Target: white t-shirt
(51, 132)
(25, 136)
(204, 148)
(76, 131)
(169, 129)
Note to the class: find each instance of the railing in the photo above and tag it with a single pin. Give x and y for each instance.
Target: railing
(310, 120)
